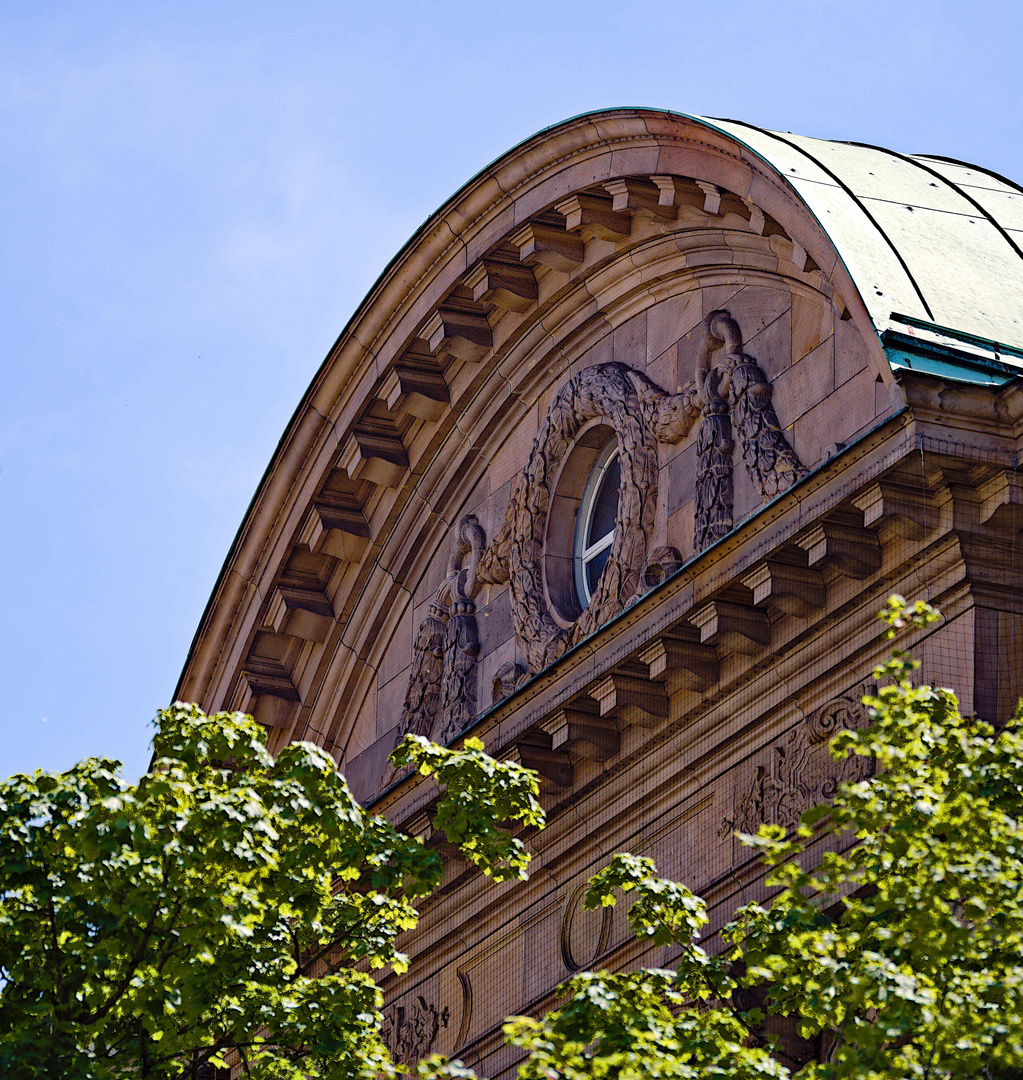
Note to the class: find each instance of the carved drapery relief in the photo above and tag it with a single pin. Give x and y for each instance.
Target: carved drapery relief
(796, 771)
(442, 695)
(410, 1030)
(735, 388)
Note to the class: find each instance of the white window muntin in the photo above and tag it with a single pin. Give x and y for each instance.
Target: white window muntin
(585, 552)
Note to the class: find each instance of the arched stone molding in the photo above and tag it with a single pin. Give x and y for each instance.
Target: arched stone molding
(727, 219)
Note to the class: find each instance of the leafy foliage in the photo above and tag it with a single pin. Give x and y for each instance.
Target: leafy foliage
(229, 903)
(898, 956)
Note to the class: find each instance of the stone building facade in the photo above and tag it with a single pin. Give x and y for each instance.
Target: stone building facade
(613, 468)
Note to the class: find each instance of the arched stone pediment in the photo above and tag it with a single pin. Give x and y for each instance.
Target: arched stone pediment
(597, 250)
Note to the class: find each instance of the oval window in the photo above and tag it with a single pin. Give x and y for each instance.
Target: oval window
(595, 523)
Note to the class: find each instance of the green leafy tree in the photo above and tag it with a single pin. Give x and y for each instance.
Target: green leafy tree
(899, 956)
(228, 907)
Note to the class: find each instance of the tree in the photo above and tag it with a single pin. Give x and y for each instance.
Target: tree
(229, 903)
(899, 956)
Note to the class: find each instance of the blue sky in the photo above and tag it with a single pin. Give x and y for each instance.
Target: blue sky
(194, 197)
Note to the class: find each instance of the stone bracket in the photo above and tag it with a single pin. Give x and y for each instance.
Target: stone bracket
(852, 551)
(466, 335)
(909, 512)
(639, 197)
(677, 662)
(302, 613)
(270, 679)
(549, 246)
(1001, 491)
(416, 390)
(510, 286)
(631, 698)
(737, 627)
(590, 735)
(534, 750)
(377, 456)
(795, 590)
(594, 216)
(674, 191)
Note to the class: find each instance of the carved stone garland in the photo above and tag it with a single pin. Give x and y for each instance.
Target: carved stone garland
(442, 694)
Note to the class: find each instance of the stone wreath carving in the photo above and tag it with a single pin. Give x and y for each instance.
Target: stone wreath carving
(442, 694)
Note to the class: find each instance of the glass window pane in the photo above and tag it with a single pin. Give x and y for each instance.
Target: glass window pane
(594, 568)
(605, 505)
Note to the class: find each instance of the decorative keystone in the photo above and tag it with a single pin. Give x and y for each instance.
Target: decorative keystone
(737, 627)
(552, 247)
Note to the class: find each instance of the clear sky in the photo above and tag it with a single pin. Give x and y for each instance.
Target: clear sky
(194, 197)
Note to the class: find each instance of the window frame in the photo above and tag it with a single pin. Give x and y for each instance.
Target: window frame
(583, 554)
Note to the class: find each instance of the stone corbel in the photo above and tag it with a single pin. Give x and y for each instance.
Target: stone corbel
(534, 750)
(786, 248)
(681, 664)
(631, 698)
(590, 735)
(465, 335)
(275, 696)
(302, 613)
(375, 455)
(737, 627)
(999, 495)
(673, 191)
(795, 590)
(417, 390)
(549, 246)
(910, 512)
(852, 551)
(509, 286)
(711, 197)
(639, 197)
(593, 217)
(757, 221)
(338, 530)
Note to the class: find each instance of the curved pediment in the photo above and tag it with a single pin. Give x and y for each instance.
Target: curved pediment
(642, 274)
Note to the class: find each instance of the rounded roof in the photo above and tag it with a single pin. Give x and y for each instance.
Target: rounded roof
(913, 243)
(925, 237)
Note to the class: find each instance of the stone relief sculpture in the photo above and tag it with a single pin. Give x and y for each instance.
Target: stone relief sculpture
(442, 695)
(736, 387)
(796, 771)
(410, 1030)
